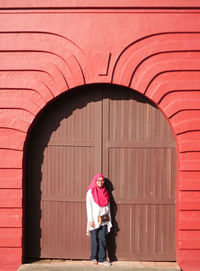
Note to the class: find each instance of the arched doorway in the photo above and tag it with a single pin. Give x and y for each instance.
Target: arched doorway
(119, 132)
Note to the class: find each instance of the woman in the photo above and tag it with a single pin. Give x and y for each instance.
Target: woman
(99, 218)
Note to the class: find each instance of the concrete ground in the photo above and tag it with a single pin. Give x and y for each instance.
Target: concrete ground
(55, 265)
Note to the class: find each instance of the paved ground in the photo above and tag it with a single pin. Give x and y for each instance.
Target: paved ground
(87, 266)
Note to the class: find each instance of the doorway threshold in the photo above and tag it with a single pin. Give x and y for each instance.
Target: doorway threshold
(71, 265)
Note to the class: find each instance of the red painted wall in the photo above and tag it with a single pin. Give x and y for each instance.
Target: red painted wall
(48, 47)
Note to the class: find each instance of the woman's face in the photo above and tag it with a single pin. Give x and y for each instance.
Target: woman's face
(100, 182)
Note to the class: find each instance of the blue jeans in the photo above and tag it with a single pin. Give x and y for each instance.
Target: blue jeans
(98, 244)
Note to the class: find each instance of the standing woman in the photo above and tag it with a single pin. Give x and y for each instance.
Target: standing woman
(98, 218)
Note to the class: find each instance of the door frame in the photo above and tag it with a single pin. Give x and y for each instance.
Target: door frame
(85, 86)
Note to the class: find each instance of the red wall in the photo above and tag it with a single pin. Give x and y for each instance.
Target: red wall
(150, 46)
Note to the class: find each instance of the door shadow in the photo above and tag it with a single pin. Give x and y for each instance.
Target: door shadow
(111, 237)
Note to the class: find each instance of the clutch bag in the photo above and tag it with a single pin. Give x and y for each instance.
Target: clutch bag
(103, 218)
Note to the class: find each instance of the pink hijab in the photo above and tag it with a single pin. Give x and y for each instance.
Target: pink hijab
(100, 195)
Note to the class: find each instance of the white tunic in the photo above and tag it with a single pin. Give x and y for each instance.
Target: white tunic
(93, 211)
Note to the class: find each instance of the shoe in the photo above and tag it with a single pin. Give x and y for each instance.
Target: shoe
(94, 261)
(106, 263)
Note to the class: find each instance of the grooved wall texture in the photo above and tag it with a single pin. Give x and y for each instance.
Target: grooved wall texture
(152, 47)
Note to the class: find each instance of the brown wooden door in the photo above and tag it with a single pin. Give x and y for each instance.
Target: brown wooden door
(64, 153)
(140, 160)
(116, 131)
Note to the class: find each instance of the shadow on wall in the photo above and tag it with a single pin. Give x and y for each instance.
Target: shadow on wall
(40, 132)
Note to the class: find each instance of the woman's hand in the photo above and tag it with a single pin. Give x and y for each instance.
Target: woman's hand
(92, 224)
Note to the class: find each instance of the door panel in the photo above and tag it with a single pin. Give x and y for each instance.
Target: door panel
(140, 161)
(115, 131)
(141, 175)
(68, 140)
